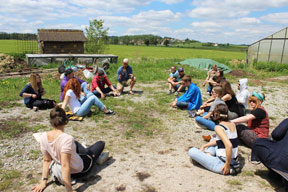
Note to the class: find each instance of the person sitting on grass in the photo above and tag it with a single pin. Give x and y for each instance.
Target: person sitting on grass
(243, 93)
(191, 99)
(230, 99)
(258, 121)
(69, 74)
(273, 153)
(206, 121)
(125, 77)
(210, 79)
(98, 85)
(175, 80)
(71, 95)
(33, 93)
(71, 159)
(219, 155)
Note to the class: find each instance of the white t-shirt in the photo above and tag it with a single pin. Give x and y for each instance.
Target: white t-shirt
(74, 103)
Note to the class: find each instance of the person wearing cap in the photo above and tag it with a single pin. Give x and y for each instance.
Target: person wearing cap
(69, 74)
(125, 77)
(191, 99)
(175, 80)
(98, 85)
(258, 121)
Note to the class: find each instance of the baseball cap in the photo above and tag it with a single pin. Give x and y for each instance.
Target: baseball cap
(180, 69)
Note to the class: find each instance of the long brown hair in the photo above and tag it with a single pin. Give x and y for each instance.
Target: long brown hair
(74, 85)
(221, 77)
(227, 89)
(37, 86)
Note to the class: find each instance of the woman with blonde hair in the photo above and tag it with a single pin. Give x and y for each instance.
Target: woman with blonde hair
(71, 96)
(33, 93)
(258, 121)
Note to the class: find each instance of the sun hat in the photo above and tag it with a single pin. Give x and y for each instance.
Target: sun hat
(259, 96)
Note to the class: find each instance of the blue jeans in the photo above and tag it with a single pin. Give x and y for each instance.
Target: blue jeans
(211, 163)
(87, 102)
(205, 122)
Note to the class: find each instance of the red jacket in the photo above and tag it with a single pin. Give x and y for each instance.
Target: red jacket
(101, 84)
(260, 126)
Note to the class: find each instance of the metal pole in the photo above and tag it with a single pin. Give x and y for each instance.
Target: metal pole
(284, 46)
(258, 51)
(270, 49)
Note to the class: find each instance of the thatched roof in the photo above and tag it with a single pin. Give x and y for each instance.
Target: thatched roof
(62, 35)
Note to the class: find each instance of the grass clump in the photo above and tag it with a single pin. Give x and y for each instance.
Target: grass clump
(234, 182)
(7, 178)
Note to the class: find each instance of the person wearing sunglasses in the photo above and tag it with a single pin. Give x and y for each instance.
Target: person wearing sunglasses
(258, 121)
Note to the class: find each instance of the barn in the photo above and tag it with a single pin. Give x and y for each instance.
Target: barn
(273, 48)
(61, 41)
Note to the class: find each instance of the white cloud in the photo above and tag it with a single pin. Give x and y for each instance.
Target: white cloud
(281, 18)
(231, 8)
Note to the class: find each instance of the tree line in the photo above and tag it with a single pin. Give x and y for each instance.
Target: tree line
(18, 36)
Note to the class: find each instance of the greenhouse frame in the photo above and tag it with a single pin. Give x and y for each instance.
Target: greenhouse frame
(273, 48)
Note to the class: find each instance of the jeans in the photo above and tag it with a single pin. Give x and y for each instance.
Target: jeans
(211, 163)
(209, 89)
(205, 122)
(182, 105)
(86, 104)
(105, 91)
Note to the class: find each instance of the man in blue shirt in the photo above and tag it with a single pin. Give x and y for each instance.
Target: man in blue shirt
(125, 77)
(192, 98)
(175, 80)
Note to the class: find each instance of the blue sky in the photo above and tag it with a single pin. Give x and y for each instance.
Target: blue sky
(222, 21)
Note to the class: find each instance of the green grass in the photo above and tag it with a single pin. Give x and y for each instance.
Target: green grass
(171, 52)
(8, 178)
(14, 46)
(234, 182)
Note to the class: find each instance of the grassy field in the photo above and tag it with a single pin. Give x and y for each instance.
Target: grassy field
(10, 47)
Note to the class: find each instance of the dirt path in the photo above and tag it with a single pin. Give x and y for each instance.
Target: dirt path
(141, 163)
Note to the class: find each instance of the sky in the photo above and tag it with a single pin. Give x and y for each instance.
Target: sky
(219, 21)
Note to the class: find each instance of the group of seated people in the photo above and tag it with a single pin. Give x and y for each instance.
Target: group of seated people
(64, 157)
(226, 113)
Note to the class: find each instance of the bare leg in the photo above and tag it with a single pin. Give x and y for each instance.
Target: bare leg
(132, 85)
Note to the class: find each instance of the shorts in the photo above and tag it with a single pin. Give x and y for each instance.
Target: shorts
(177, 87)
(122, 84)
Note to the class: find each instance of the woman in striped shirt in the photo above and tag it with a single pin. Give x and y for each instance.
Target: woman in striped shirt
(220, 154)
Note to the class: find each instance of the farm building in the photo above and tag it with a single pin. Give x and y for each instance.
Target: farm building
(273, 48)
(57, 41)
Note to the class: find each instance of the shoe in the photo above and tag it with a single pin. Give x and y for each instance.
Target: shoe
(176, 93)
(103, 158)
(192, 113)
(110, 112)
(170, 92)
(35, 108)
(207, 138)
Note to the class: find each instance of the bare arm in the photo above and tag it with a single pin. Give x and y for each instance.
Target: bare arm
(210, 144)
(65, 168)
(228, 148)
(243, 119)
(65, 102)
(45, 174)
(208, 115)
(29, 95)
(227, 97)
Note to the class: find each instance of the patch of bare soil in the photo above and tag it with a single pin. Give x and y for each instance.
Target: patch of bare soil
(9, 64)
(156, 163)
(241, 73)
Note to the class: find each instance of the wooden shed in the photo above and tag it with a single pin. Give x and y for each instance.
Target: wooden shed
(57, 41)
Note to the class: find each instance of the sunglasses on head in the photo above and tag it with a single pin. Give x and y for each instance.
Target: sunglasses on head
(253, 101)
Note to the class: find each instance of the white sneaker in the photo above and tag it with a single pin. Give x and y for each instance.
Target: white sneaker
(102, 158)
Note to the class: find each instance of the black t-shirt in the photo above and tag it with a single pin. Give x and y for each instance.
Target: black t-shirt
(259, 113)
(232, 105)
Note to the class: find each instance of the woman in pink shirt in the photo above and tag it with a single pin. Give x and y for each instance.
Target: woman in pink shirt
(70, 158)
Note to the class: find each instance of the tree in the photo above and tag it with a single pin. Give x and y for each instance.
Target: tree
(187, 40)
(116, 40)
(147, 42)
(166, 42)
(96, 36)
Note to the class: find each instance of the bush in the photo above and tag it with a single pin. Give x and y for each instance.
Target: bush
(270, 66)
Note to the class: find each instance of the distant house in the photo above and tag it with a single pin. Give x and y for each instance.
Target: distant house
(61, 41)
(140, 42)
